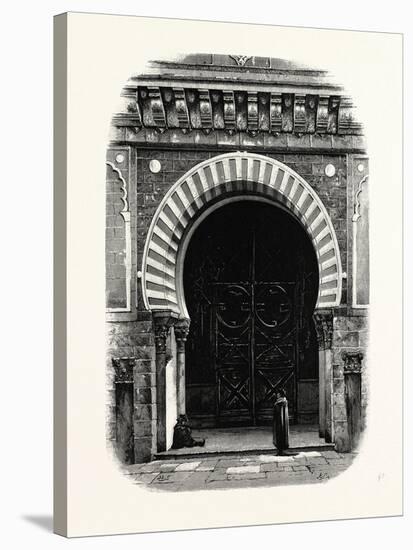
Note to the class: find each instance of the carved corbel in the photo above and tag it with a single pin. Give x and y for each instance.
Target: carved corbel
(299, 114)
(252, 113)
(322, 114)
(229, 111)
(205, 110)
(275, 113)
(181, 109)
(345, 116)
(157, 107)
(333, 109)
(287, 113)
(310, 113)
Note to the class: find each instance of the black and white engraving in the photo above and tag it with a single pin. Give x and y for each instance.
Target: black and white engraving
(237, 274)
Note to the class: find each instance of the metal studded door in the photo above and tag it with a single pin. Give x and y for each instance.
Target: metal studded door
(255, 352)
(248, 297)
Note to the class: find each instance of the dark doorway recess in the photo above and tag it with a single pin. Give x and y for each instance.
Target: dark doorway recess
(251, 283)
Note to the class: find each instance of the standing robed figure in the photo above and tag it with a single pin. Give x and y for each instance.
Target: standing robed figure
(281, 423)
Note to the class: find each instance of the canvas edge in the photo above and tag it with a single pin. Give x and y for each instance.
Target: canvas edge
(60, 274)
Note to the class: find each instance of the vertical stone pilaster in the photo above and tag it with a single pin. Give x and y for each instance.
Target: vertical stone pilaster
(163, 320)
(352, 391)
(181, 329)
(124, 407)
(323, 320)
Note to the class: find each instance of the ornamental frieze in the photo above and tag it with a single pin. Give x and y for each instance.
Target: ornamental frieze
(232, 110)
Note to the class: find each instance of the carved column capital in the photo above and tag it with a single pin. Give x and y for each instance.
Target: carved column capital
(162, 324)
(323, 321)
(181, 329)
(352, 361)
(123, 369)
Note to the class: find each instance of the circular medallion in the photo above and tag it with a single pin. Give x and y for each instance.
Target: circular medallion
(330, 170)
(155, 166)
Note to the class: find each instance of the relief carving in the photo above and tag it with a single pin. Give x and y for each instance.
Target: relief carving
(123, 369)
(352, 362)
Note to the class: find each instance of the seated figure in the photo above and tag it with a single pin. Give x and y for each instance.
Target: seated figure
(183, 434)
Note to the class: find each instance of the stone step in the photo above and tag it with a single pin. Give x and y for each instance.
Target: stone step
(201, 452)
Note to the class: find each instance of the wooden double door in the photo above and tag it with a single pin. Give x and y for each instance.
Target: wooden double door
(250, 286)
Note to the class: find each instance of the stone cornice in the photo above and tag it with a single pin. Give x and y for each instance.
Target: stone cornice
(236, 110)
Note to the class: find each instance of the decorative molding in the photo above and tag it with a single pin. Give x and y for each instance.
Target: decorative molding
(323, 322)
(356, 207)
(352, 362)
(241, 60)
(240, 173)
(163, 107)
(125, 213)
(123, 369)
(355, 227)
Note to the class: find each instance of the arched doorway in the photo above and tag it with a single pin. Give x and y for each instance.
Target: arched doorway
(208, 186)
(250, 285)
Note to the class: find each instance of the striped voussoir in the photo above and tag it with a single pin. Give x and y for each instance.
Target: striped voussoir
(235, 174)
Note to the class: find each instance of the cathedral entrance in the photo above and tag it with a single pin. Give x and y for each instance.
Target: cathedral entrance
(251, 284)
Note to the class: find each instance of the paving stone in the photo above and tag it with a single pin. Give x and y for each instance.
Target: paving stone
(301, 460)
(228, 462)
(290, 478)
(144, 478)
(196, 481)
(168, 467)
(300, 468)
(269, 467)
(171, 477)
(330, 454)
(187, 467)
(317, 460)
(205, 468)
(218, 474)
(308, 454)
(243, 470)
(240, 477)
(151, 467)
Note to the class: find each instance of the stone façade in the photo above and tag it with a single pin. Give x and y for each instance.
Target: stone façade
(134, 193)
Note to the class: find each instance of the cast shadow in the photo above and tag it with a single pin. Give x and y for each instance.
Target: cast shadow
(44, 522)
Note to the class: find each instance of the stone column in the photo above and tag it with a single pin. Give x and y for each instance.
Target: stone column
(321, 376)
(352, 392)
(181, 329)
(323, 320)
(162, 322)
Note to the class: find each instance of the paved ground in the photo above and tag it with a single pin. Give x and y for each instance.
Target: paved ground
(223, 471)
(252, 439)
